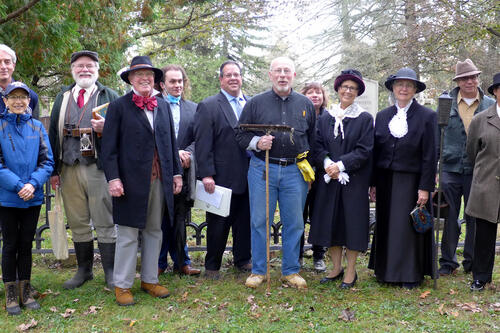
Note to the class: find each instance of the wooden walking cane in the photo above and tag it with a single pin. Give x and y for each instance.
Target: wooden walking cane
(268, 129)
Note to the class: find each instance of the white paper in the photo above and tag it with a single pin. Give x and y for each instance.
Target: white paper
(213, 199)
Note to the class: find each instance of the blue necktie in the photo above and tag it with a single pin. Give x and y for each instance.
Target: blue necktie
(239, 108)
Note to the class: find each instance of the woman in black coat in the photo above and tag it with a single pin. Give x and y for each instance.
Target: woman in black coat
(404, 170)
(342, 152)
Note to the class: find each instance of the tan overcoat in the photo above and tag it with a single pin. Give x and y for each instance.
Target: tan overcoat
(483, 149)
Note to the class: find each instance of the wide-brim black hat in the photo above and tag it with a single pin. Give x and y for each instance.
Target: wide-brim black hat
(350, 74)
(496, 83)
(141, 62)
(405, 73)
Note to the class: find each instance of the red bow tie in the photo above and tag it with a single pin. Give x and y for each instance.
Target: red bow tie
(145, 102)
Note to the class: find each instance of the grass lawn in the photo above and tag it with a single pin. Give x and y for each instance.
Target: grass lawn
(200, 305)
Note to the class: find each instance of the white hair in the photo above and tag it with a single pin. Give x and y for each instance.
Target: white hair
(9, 51)
(282, 59)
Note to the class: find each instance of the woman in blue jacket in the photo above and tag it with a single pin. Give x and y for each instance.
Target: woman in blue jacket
(25, 165)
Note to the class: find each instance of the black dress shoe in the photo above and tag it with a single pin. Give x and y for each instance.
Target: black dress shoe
(327, 279)
(345, 285)
(477, 285)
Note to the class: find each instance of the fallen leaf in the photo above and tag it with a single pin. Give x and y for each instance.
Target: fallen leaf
(440, 309)
(256, 315)
(184, 296)
(67, 313)
(425, 294)
(470, 307)
(223, 306)
(452, 292)
(76, 300)
(53, 309)
(311, 325)
(25, 327)
(132, 323)
(137, 275)
(92, 310)
(254, 307)
(495, 307)
(170, 308)
(454, 313)
(107, 289)
(251, 299)
(347, 315)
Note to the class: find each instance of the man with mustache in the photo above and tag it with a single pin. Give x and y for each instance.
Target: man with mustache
(85, 194)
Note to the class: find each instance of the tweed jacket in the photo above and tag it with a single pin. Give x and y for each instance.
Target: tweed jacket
(483, 149)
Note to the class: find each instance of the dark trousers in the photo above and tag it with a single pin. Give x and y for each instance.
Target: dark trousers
(218, 231)
(318, 251)
(455, 186)
(484, 250)
(168, 244)
(18, 231)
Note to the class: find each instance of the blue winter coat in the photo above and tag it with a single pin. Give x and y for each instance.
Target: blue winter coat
(25, 156)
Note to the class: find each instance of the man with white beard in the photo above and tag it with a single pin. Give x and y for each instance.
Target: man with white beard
(74, 135)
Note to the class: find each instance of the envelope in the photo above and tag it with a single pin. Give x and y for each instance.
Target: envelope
(218, 203)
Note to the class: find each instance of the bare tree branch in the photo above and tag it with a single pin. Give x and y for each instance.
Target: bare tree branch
(18, 12)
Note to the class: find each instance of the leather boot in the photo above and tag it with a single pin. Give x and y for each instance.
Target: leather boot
(85, 259)
(27, 299)
(107, 251)
(12, 298)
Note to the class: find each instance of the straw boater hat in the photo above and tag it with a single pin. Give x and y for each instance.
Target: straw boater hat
(350, 74)
(465, 68)
(141, 62)
(405, 73)
(496, 83)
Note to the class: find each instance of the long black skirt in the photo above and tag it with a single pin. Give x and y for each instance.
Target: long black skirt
(399, 253)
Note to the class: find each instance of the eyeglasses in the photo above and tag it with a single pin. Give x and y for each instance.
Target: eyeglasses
(82, 66)
(231, 75)
(348, 88)
(407, 85)
(286, 71)
(17, 97)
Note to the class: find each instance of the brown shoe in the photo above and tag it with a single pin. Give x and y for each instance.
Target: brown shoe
(294, 280)
(12, 298)
(155, 289)
(124, 296)
(188, 270)
(255, 280)
(25, 296)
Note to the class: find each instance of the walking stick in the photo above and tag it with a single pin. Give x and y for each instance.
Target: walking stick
(444, 108)
(267, 129)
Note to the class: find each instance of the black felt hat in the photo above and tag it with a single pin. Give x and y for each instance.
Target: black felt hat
(496, 83)
(350, 74)
(141, 62)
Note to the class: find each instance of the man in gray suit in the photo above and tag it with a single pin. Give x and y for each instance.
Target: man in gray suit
(173, 86)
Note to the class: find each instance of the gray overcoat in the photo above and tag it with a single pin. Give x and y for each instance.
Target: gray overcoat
(483, 149)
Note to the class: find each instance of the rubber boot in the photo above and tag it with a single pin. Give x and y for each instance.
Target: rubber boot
(85, 258)
(27, 299)
(12, 298)
(107, 251)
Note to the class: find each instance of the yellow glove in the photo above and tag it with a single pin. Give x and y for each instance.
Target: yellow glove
(305, 168)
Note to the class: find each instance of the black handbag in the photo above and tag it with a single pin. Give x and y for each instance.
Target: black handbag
(421, 219)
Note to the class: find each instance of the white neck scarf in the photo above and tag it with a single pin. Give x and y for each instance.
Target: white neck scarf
(398, 125)
(352, 111)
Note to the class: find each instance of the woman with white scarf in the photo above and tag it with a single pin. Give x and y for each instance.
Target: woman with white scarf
(405, 159)
(342, 153)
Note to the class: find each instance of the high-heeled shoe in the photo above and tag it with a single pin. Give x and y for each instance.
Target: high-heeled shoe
(345, 285)
(327, 279)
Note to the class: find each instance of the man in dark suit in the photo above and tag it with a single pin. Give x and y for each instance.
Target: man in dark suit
(220, 160)
(172, 86)
(142, 167)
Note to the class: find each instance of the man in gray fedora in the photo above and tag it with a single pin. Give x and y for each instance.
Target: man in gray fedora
(468, 100)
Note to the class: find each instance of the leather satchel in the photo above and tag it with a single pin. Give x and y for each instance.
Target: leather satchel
(421, 219)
